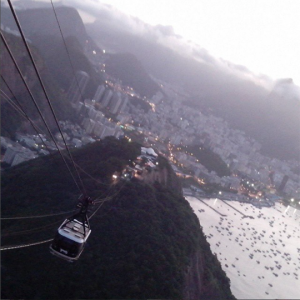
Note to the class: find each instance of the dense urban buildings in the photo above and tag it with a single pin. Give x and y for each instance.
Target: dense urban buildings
(169, 124)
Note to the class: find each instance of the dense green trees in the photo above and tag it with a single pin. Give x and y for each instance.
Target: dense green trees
(209, 159)
(141, 243)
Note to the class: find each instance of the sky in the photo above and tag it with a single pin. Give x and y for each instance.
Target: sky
(262, 35)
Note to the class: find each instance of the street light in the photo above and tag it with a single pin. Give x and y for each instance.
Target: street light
(292, 199)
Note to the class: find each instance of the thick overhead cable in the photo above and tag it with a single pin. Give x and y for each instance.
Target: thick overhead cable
(40, 216)
(21, 111)
(44, 89)
(67, 50)
(14, 106)
(108, 198)
(37, 107)
(75, 77)
(96, 180)
(23, 114)
(35, 229)
(24, 246)
(97, 209)
(11, 233)
(14, 97)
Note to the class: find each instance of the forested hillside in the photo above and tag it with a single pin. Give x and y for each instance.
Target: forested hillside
(145, 241)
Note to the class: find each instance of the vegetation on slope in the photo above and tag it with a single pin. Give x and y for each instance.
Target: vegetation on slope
(139, 103)
(206, 157)
(141, 243)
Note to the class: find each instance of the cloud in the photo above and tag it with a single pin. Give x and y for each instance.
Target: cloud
(286, 87)
(202, 54)
(165, 30)
(166, 36)
(161, 34)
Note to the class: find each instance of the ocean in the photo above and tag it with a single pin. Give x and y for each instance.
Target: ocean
(260, 255)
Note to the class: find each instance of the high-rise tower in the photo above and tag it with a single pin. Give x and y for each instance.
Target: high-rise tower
(99, 93)
(78, 86)
(106, 98)
(115, 102)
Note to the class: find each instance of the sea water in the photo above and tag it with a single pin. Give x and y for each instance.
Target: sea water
(261, 256)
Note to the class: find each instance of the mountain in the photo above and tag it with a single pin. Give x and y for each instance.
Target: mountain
(11, 121)
(229, 91)
(41, 28)
(129, 69)
(146, 242)
(42, 21)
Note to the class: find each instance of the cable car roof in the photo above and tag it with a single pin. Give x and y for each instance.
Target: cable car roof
(74, 231)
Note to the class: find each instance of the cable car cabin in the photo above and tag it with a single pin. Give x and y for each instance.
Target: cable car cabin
(70, 239)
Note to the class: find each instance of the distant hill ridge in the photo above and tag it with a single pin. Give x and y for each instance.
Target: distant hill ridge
(42, 21)
(246, 105)
(130, 70)
(41, 27)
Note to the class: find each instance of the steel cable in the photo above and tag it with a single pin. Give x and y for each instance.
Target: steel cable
(37, 107)
(44, 89)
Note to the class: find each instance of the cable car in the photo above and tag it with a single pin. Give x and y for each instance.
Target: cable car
(72, 235)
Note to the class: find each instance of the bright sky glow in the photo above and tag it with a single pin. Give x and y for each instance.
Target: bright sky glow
(262, 35)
